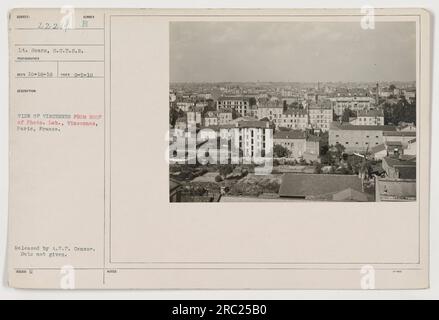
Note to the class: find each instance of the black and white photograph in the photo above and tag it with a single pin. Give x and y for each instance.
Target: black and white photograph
(232, 153)
(292, 111)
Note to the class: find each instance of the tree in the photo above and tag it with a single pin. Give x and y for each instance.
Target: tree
(295, 105)
(324, 149)
(226, 169)
(403, 111)
(211, 105)
(252, 101)
(317, 168)
(280, 151)
(174, 114)
(333, 154)
(339, 149)
(347, 115)
(235, 114)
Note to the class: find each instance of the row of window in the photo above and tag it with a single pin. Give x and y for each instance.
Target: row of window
(233, 102)
(357, 143)
(338, 136)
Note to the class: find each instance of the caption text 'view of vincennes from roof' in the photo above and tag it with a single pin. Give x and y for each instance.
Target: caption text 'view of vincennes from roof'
(292, 111)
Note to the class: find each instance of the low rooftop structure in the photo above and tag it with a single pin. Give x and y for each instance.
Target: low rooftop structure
(403, 167)
(396, 190)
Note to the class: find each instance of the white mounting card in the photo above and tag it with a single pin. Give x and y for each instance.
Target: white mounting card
(219, 149)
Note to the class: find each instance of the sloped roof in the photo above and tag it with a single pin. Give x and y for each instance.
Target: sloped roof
(347, 126)
(304, 185)
(234, 99)
(394, 143)
(173, 185)
(293, 134)
(254, 124)
(378, 148)
(400, 134)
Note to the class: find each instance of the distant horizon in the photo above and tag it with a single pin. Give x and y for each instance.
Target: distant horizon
(291, 52)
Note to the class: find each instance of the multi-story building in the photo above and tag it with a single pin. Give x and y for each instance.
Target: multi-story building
(369, 118)
(286, 93)
(239, 104)
(218, 118)
(271, 110)
(251, 136)
(294, 119)
(194, 117)
(205, 96)
(299, 144)
(313, 147)
(253, 139)
(320, 115)
(358, 138)
(211, 119)
(201, 105)
(354, 103)
(181, 124)
(294, 141)
(410, 94)
(184, 106)
(387, 93)
(225, 116)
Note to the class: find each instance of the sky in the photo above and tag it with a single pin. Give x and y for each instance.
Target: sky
(292, 52)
